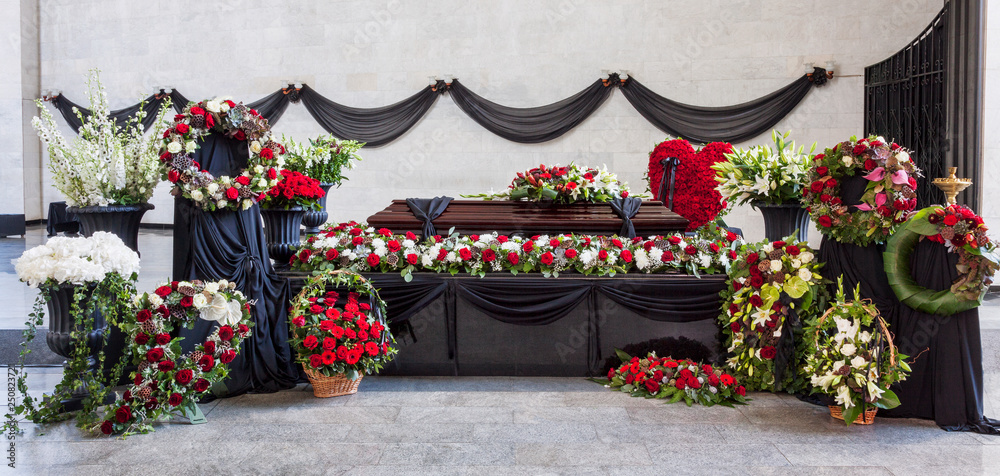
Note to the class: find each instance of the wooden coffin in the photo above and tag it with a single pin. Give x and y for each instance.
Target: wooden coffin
(531, 218)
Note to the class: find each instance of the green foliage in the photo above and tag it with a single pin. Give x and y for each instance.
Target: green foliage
(323, 158)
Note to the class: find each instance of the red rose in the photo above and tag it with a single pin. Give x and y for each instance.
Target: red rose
(232, 193)
(266, 153)
(571, 253)
(173, 176)
(393, 246)
(123, 414)
(667, 256)
(329, 343)
(816, 186)
(355, 231)
(617, 243)
(240, 135)
(207, 362)
(528, 246)
(602, 255)
(442, 254)
(870, 165)
(488, 256)
(859, 149)
(227, 356)
(912, 183)
(209, 347)
(272, 174)
(741, 391)
(154, 355)
(184, 376)
(465, 254)
(201, 385)
(187, 301)
(825, 221)
(822, 170)
(768, 352)
(175, 399)
(737, 286)
(243, 180)
(756, 281)
(546, 258)
(554, 243)
(831, 183)
(182, 128)
(332, 254)
(143, 315)
(735, 327)
(373, 260)
(884, 211)
(792, 250)
(652, 385)
(310, 342)
(164, 291)
(950, 220)
(225, 333)
(513, 257)
(674, 239)
(756, 301)
(304, 255)
(713, 380)
(165, 366)
(691, 249)
(752, 258)
(197, 111)
(107, 427)
(627, 256)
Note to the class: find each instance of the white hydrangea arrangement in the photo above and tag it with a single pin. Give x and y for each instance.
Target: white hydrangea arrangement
(76, 260)
(108, 163)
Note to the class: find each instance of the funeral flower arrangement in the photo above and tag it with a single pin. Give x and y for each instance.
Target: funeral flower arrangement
(334, 334)
(774, 289)
(889, 192)
(108, 163)
(762, 174)
(568, 184)
(695, 194)
(169, 380)
(853, 359)
(357, 247)
(76, 260)
(235, 121)
(675, 381)
(322, 158)
(294, 190)
(963, 232)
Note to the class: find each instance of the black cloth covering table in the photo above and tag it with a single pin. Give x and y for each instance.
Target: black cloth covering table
(858, 265)
(59, 220)
(946, 384)
(530, 325)
(230, 245)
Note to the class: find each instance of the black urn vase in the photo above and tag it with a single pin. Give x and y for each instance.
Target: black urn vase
(313, 219)
(783, 220)
(121, 220)
(62, 325)
(281, 228)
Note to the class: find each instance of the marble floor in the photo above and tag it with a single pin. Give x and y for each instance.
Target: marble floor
(498, 425)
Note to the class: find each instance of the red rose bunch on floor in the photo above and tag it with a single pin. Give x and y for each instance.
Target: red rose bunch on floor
(695, 196)
(169, 381)
(675, 381)
(294, 190)
(340, 333)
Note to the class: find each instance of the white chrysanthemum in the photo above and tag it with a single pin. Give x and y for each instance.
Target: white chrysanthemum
(655, 254)
(641, 259)
(705, 260)
(510, 246)
(408, 244)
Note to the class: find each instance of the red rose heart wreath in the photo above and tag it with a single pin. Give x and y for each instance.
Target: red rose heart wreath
(695, 196)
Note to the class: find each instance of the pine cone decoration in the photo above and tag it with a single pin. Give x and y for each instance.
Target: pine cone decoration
(662, 244)
(392, 259)
(187, 290)
(148, 327)
(776, 254)
(344, 261)
(764, 266)
(368, 240)
(196, 121)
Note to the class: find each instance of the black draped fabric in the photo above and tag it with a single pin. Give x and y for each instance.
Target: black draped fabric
(708, 124)
(120, 116)
(626, 208)
(376, 126)
(272, 106)
(527, 301)
(531, 125)
(946, 384)
(404, 299)
(60, 220)
(858, 265)
(671, 300)
(230, 245)
(426, 210)
(178, 100)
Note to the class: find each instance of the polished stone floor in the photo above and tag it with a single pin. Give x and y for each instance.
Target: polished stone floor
(398, 426)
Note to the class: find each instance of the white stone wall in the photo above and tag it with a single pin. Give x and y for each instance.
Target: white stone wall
(515, 52)
(991, 113)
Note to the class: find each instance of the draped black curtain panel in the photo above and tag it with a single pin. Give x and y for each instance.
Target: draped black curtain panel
(711, 124)
(120, 116)
(381, 125)
(531, 125)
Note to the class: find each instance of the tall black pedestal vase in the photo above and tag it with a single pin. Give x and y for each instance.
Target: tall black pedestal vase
(783, 220)
(62, 324)
(122, 220)
(281, 229)
(313, 219)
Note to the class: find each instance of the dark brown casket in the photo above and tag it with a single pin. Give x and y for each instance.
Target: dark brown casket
(531, 218)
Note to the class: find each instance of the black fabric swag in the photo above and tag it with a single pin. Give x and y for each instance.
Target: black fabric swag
(626, 208)
(376, 126)
(709, 124)
(230, 245)
(531, 125)
(152, 107)
(426, 210)
(946, 384)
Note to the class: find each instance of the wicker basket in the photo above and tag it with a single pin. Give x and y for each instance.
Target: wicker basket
(865, 418)
(324, 387)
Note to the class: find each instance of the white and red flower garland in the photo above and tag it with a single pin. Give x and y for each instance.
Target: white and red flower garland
(235, 121)
(675, 381)
(167, 380)
(360, 248)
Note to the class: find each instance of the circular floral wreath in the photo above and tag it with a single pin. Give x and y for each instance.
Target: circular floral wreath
(234, 121)
(962, 232)
(889, 193)
(695, 196)
(167, 380)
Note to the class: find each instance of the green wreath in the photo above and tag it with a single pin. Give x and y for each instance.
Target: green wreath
(966, 235)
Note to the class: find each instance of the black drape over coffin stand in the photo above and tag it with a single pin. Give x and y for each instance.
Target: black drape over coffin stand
(230, 245)
(379, 126)
(524, 325)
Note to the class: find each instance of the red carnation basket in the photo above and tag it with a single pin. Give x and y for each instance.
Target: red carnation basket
(331, 386)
